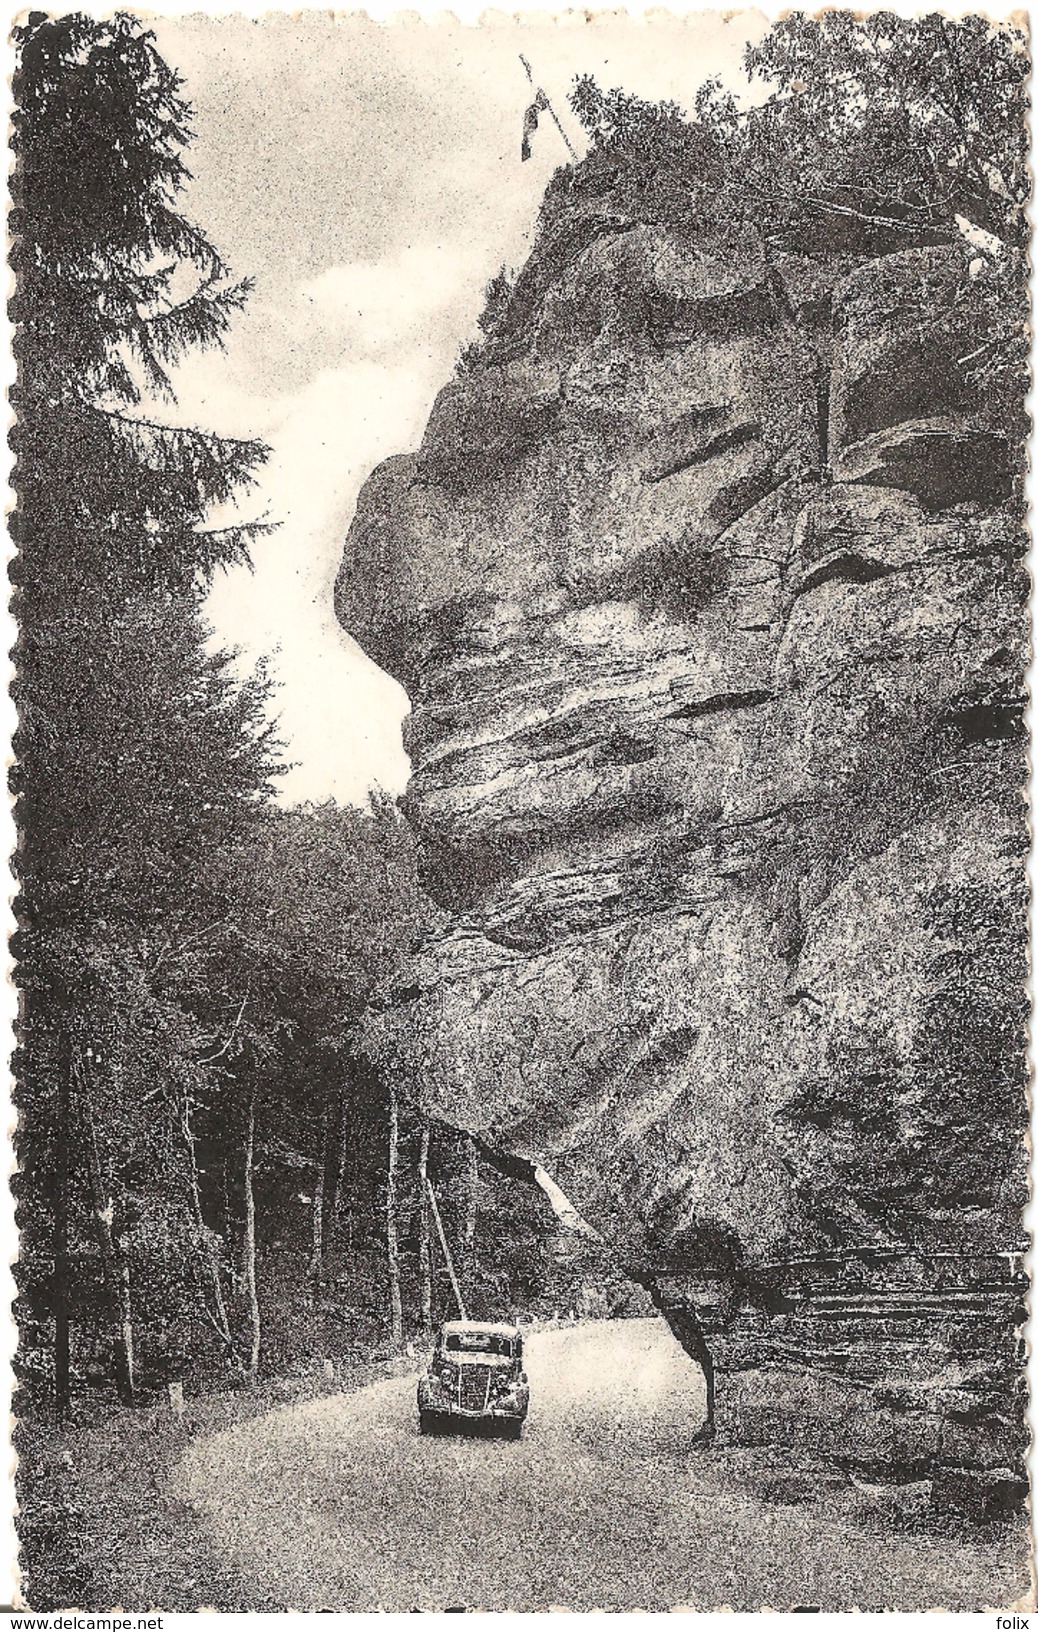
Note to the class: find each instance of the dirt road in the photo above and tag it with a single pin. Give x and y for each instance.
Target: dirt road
(605, 1502)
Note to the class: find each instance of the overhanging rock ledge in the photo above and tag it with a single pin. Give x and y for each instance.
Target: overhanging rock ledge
(706, 587)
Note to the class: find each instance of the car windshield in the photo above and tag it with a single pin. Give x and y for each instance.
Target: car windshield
(478, 1343)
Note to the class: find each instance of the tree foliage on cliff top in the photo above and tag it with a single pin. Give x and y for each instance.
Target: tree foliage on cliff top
(873, 135)
(894, 124)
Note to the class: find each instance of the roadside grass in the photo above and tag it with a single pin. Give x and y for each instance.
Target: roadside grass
(97, 1527)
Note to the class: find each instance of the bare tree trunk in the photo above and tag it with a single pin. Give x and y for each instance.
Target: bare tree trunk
(252, 1364)
(113, 1259)
(396, 1315)
(315, 1271)
(823, 379)
(471, 1193)
(823, 423)
(441, 1232)
(239, 1259)
(340, 1166)
(62, 1389)
(341, 1183)
(225, 1203)
(126, 1317)
(217, 1317)
(424, 1254)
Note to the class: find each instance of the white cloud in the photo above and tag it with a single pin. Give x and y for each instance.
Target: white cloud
(377, 306)
(340, 715)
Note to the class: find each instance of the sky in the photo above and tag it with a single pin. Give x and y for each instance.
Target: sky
(367, 176)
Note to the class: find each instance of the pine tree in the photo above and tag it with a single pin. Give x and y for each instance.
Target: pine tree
(137, 752)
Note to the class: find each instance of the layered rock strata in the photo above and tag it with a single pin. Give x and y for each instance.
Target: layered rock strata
(706, 587)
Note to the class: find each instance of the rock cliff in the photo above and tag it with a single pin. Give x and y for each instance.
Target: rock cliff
(706, 587)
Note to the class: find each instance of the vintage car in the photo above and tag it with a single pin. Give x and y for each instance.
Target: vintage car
(475, 1381)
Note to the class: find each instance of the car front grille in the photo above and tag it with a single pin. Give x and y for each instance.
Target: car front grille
(473, 1387)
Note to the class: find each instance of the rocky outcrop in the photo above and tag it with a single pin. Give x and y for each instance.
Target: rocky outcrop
(706, 588)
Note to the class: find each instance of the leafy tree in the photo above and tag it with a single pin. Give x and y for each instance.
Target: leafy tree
(497, 297)
(327, 901)
(325, 905)
(913, 120)
(878, 134)
(189, 955)
(101, 256)
(893, 123)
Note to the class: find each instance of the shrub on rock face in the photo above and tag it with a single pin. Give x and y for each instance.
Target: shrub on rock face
(675, 576)
(492, 323)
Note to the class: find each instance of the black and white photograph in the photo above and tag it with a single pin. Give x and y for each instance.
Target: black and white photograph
(521, 630)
